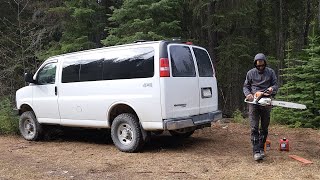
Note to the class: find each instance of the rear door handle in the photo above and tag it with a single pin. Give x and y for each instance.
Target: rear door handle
(56, 90)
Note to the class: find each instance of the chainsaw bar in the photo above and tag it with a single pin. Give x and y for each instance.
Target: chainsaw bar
(269, 102)
(288, 104)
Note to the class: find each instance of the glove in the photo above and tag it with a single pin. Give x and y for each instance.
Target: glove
(249, 97)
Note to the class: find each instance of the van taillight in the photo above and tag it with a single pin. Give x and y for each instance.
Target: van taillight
(164, 67)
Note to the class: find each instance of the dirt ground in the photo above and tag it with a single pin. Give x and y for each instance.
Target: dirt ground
(220, 152)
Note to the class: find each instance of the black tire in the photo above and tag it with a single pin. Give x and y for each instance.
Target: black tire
(181, 134)
(126, 133)
(29, 127)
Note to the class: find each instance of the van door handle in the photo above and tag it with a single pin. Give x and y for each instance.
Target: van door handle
(56, 90)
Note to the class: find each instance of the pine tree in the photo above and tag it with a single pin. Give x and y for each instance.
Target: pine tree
(81, 24)
(144, 20)
(303, 86)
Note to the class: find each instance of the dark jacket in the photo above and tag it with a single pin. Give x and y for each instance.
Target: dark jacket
(259, 82)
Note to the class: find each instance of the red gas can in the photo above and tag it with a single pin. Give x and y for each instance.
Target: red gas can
(284, 144)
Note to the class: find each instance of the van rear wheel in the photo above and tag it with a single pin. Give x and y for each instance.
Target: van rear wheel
(29, 127)
(126, 133)
(181, 133)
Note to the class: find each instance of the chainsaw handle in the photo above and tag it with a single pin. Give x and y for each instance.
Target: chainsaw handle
(258, 98)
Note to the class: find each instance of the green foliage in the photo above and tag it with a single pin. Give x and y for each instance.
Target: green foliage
(238, 118)
(82, 26)
(8, 121)
(302, 86)
(144, 19)
(232, 31)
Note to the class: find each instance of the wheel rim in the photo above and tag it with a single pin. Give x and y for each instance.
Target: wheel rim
(125, 134)
(29, 128)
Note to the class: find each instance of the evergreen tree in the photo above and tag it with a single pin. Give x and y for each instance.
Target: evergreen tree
(303, 86)
(82, 26)
(144, 20)
(20, 37)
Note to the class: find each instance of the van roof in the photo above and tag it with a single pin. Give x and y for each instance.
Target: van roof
(140, 42)
(97, 49)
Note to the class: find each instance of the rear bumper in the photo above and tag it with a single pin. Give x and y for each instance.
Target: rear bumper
(192, 121)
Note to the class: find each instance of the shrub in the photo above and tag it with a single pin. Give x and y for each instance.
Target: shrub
(8, 120)
(238, 118)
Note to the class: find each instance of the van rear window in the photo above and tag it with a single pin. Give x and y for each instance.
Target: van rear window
(203, 62)
(181, 61)
(116, 64)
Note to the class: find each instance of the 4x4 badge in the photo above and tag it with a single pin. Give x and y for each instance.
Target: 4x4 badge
(147, 85)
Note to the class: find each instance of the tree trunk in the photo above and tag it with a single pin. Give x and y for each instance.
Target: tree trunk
(212, 34)
(319, 14)
(308, 20)
(260, 29)
(280, 52)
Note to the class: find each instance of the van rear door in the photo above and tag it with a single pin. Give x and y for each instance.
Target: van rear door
(180, 91)
(207, 81)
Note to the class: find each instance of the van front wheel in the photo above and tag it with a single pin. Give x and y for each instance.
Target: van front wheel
(126, 133)
(29, 127)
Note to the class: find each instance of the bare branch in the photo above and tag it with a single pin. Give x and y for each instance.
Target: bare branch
(7, 49)
(4, 20)
(23, 7)
(8, 38)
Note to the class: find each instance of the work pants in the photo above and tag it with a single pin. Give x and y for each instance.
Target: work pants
(258, 136)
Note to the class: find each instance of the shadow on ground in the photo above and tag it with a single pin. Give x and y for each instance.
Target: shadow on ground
(103, 136)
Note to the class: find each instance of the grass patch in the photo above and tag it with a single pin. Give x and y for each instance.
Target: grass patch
(238, 117)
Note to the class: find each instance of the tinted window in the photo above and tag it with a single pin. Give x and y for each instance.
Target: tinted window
(204, 63)
(70, 72)
(47, 74)
(128, 64)
(181, 62)
(91, 70)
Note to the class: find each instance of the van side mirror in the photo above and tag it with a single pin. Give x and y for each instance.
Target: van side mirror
(28, 77)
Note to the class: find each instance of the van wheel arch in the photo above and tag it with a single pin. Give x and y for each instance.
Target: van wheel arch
(120, 109)
(25, 108)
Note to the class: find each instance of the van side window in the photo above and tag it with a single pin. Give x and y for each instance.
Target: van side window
(47, 74)
(70, 72)
(116, 64)
(129, 63)
(204, 62)
(91, 70)
(181, 61)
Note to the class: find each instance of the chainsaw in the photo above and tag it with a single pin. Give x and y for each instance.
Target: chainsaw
(267, 101)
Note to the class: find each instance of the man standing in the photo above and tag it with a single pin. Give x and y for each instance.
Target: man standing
(259, 79)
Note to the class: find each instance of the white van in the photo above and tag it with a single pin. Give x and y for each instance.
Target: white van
(134, 89)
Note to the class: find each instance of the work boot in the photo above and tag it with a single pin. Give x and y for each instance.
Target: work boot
(257, 156)
(262, 154)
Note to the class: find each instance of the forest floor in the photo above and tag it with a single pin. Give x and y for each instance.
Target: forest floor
(220, 152)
